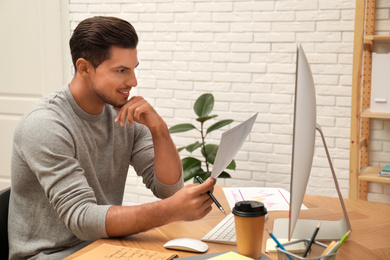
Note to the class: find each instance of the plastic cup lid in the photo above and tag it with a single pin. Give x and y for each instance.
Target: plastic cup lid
(249, 208)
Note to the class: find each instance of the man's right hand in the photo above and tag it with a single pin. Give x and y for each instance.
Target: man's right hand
(192, 201)
(189, 203)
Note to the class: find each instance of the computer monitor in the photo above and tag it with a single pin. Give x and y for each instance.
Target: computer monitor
(304, 135)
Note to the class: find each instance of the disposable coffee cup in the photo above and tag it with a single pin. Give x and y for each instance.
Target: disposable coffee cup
(249, 217)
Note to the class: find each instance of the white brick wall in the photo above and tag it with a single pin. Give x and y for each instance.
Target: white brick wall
(244, 53)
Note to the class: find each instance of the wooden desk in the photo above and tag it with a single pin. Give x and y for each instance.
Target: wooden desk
(370, 238)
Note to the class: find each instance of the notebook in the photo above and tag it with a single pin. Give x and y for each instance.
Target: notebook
(108, 251)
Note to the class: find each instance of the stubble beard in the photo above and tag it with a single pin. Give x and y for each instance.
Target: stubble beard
(106, 99)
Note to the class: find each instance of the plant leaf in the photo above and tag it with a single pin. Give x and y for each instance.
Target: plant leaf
(181, 128)
(193, 147)
(205, 118)
(191, 167)
(224, 175)
(218, 125)
(211, 151)
(204, 105)
(232, 165)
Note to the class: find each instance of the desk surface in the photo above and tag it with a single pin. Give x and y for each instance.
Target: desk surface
(370, 238)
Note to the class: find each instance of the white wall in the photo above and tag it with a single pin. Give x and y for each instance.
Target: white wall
(244, 53)
(31, 63)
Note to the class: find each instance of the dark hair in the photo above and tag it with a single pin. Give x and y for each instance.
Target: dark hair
(93, 38)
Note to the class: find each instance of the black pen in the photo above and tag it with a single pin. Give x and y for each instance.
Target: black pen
(211, 196)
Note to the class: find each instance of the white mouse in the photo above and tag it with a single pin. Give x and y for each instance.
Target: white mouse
(187, 244)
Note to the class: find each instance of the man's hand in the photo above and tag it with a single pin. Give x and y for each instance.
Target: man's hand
(192, 202)
(139, 110)
(167, 164)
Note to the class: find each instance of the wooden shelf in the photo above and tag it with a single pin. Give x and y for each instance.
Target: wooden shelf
(370, 173)
(368, 114)
(376, 38)
(360, 173)
(369, 39)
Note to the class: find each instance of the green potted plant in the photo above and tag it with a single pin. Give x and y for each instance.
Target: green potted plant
(191, 165)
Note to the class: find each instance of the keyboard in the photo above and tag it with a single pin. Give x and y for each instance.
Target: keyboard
(224, 232)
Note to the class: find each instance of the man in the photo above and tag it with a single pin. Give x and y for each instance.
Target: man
(72, 151)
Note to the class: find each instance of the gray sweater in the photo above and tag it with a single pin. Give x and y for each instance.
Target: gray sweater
(68, 168)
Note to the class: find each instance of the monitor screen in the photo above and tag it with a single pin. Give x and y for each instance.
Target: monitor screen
(303, 135)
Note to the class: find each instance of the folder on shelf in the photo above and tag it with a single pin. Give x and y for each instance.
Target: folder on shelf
(385, 172)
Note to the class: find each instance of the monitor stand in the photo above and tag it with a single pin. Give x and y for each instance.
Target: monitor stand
(330, 230)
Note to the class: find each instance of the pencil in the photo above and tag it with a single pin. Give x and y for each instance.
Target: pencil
(334, 248)
(279, 244)
(328, 248)
(312, 240)
(342, 240)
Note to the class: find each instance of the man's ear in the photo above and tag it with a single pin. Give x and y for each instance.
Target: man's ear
(84, 67)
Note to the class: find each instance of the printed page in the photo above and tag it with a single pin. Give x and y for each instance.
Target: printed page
(231, 142)
(273, 198)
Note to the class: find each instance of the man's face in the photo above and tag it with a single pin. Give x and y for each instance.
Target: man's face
(113, 79)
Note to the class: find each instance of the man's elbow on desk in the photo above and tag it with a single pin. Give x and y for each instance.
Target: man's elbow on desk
(87, 223)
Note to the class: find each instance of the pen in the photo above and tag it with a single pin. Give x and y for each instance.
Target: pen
(279, 244)
(312, 239)
(211, 196)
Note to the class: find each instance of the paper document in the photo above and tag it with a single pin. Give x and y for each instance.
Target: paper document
(231, 143)
(270, 246)
(108, 251)
(231, 256)
(273, 198)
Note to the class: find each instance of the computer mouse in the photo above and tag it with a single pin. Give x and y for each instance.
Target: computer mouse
(187, 244)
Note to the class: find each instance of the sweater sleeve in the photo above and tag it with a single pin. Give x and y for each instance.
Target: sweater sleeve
(49, 150)
(142, 160)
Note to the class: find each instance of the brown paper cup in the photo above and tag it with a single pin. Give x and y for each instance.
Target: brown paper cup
(249, 219)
